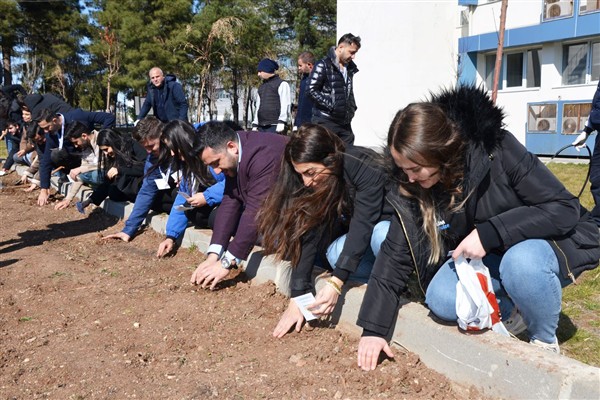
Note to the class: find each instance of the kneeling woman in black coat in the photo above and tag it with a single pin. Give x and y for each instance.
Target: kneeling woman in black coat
(326, 198)
(465, 184)
(121, 164)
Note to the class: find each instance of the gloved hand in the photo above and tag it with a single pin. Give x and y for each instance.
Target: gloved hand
(579, 142)
(136, 122)
(254, 128)
(294, 129)
(280, 127)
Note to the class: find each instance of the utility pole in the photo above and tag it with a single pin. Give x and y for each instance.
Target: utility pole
(499, 50)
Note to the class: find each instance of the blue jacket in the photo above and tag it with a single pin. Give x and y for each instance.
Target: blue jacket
(174, 101)
(90, 119)
(148, 192)
(145, 197)
(178, 221)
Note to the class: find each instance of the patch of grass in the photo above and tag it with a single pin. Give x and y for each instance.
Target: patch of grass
(579, 327)
(58, 274)
(193, 248)
(3, 150)
(107, 271)
(25, 319)
(572, 176)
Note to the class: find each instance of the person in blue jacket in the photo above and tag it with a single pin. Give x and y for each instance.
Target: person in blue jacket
(593, 124)
(200, 189)
(165, 97)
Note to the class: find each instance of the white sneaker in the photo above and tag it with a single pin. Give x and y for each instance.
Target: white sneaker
(515, 323)
(553, 347)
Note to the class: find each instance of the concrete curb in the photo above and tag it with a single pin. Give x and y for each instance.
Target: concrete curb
(496, 365)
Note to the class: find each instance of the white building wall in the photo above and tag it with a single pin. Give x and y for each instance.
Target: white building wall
(408, 49)
(514, 100)
(519, 13)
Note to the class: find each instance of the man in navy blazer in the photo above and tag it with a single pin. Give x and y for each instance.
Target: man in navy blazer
(251, 163)
(54, 126)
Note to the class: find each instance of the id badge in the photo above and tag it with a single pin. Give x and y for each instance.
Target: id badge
(162, 184)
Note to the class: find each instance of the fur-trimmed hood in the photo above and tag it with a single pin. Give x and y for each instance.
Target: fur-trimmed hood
(478, 119)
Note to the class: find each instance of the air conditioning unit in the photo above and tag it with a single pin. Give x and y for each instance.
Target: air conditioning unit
(569, 125)
(557, 9)
(546, 125)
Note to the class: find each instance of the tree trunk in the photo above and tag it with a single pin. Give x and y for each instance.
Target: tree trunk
(498, 65)
(6, 65)
(246, 107)
(234, 105)
(108, 95)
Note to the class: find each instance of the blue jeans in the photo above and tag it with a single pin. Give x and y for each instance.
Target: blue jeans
(12, 147)
(363, 271)
(526, 276)
(25, 160)
(91, 178)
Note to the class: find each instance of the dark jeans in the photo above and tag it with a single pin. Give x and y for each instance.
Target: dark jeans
(343, 131)
(164, 199)
(110, 190)
(62, 158)
(202, 217)
(267, 128)
(12, 145)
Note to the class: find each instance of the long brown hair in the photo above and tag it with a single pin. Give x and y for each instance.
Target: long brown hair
(292, 210)
(423, 133)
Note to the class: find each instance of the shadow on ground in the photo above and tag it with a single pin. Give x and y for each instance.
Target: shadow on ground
(96, 221)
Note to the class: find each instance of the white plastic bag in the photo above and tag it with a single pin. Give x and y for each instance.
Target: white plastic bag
(476, 304)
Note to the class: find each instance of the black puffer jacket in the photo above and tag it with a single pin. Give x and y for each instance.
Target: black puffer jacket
(515, 197)
(333, 96)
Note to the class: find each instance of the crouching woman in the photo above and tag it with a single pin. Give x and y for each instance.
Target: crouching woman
(465, 184)
(121, 164)
(326, 198)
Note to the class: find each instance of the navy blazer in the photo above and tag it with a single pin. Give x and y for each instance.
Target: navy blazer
(244, 194)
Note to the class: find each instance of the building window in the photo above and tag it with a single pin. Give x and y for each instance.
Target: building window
(574, 63)
(490, 66)
(534, 69)
(514, 70)
(586, 6)
(581, 63)
(541, 118)
(557, 9)
(523, 69)
(574, 117)
(595, 69)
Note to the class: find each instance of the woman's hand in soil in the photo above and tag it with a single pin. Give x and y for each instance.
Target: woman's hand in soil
(62, 204)
(292, 316)
(369, 348)
(325, 301)
(470, 247)
(209, 271)
(165, 247)
(121, 235)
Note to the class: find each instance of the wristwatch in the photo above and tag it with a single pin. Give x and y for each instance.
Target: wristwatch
(227, 263)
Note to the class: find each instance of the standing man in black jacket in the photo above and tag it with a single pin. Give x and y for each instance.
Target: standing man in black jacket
(331, 89)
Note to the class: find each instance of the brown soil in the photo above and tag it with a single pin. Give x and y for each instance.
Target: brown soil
(81, 318)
